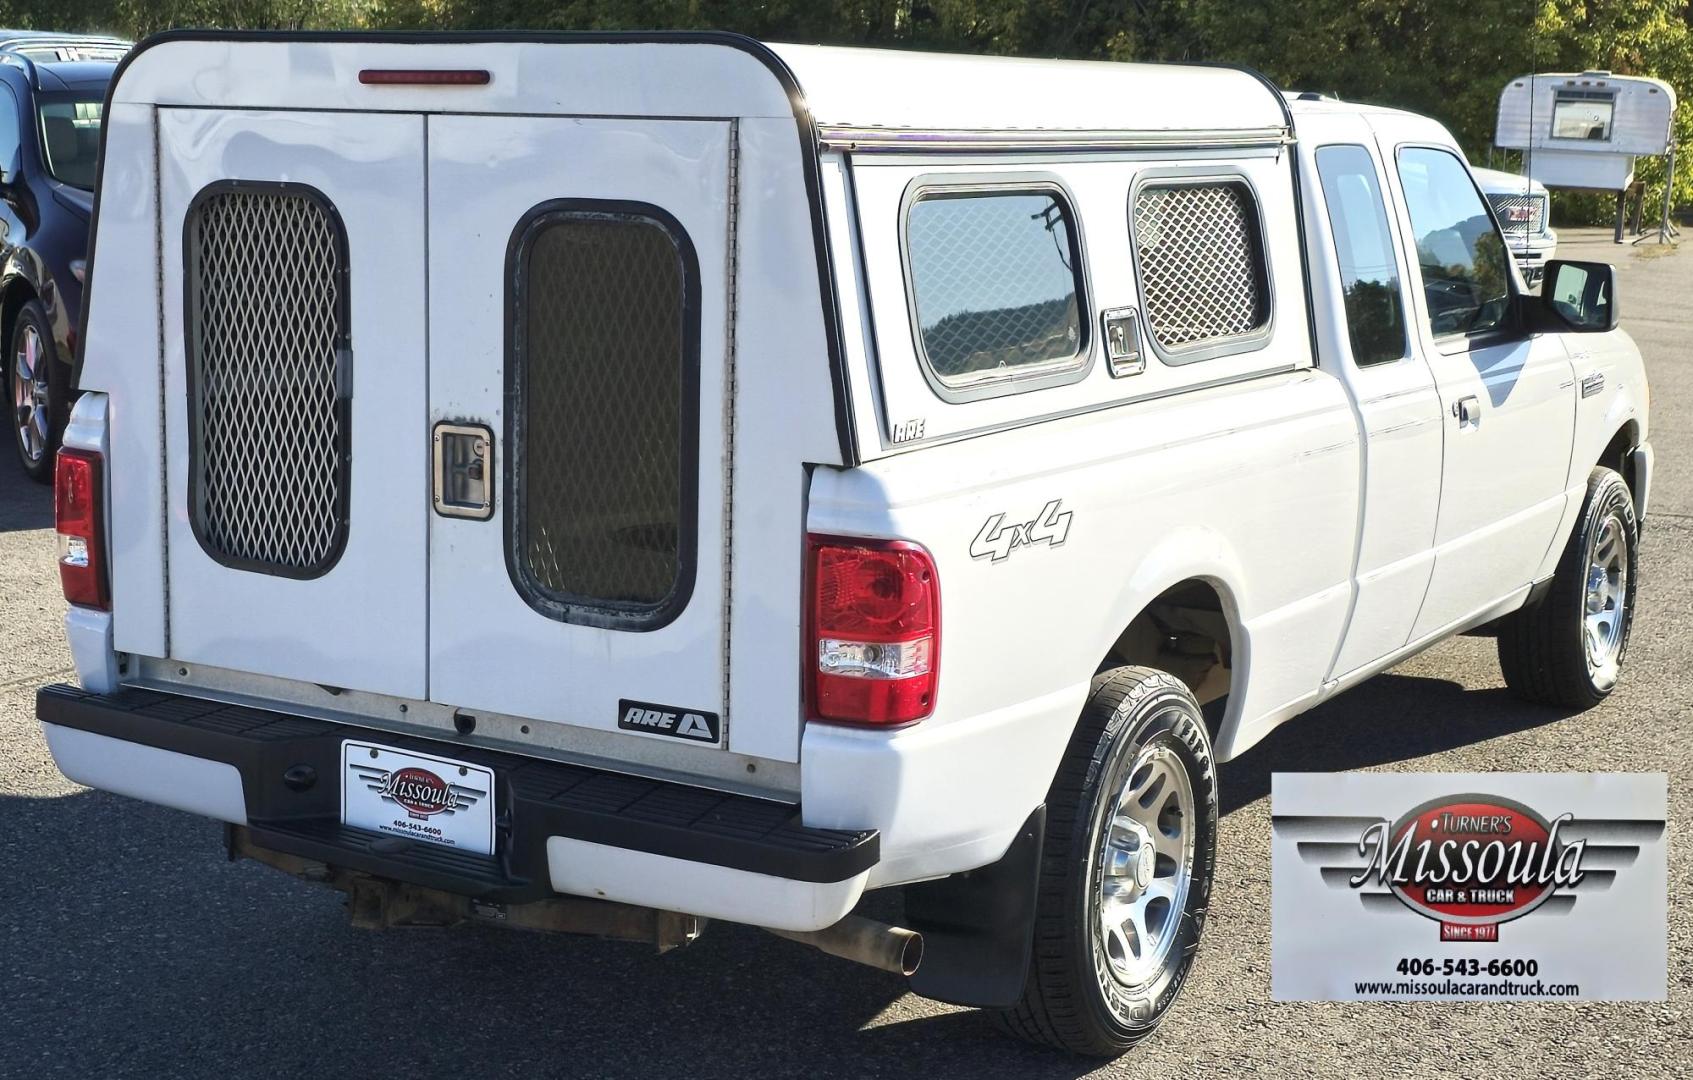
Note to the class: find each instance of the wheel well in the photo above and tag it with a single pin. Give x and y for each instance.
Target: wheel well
(1616, 455)
(1184, 631)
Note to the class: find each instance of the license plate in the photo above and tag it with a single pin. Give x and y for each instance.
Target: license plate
(428, 798)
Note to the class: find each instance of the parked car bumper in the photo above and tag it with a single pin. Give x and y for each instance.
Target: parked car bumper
(560, 828)
(1532, 252)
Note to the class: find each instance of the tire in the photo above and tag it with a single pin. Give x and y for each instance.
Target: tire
(37, 385)
(1089, 992)
(1560, 650)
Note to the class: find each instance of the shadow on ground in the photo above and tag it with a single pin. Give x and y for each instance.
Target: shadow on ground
(1386, 719)
(24, 504)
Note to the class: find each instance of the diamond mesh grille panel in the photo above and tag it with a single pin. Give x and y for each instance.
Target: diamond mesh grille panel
(1519, 213)
(266, 316)
(993, 283)
(1201, 265)
(600, 363)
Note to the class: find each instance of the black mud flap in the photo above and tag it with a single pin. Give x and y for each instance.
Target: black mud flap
(978, 927)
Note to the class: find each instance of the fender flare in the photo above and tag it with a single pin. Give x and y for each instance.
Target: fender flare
(1190, 553)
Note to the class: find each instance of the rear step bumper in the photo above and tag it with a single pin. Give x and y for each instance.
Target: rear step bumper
(560, 828)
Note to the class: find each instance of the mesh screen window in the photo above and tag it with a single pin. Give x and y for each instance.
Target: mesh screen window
(605, 363)
(994, 282)
(265, 292)
(1201, 262)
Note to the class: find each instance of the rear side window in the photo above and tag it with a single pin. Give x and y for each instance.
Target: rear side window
(1369, 274)
(604, 413)
(1200, 253)
(996, 287)
(266, 310)
(1460, 254)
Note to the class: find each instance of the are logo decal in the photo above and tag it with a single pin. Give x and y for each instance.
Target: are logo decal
(692, 724)
(996, 540)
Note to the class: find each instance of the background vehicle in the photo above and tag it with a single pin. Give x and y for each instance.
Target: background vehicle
(789, 485)
(52, 87)
(1524, 213)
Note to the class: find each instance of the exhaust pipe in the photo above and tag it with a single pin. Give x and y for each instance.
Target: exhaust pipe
(864, 941)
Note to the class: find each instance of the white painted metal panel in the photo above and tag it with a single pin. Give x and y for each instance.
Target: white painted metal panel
(1251, 487)
(121, 357)
(489, 649)
(1399, 414)
(1640, 124)
(362, 624)
(898, 88)
(627, 76)
(1502, 492)
(1098, 191)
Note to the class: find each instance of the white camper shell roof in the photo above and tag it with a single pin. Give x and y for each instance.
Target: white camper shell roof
(857, 96)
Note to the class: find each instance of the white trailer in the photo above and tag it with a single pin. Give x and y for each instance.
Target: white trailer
(1585, 130)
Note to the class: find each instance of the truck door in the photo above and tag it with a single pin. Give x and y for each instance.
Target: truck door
(1508, 398)
(578, 292)
(1360, 276)
(294, 372)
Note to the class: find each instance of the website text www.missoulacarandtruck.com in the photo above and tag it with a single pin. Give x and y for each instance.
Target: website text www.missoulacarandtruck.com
(1456, 988)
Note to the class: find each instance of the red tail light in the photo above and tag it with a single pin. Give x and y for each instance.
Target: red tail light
(874, 631)
(77, 500)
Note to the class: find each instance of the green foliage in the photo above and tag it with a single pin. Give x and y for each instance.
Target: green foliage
(1439, 57)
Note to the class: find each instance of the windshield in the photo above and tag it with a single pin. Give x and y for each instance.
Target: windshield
(70, 136)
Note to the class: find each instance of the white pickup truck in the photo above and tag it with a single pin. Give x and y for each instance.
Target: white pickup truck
(614, 482)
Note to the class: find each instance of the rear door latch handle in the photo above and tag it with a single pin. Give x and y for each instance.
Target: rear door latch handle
(1467, 410)
(463, 459)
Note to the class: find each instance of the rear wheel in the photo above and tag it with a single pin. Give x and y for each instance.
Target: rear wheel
(1567, 648)
(38, 387)
(1125, 868)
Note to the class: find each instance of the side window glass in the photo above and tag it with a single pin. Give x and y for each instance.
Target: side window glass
(1460, 254)
(9, 139)
(1369, 274)
(995, 285)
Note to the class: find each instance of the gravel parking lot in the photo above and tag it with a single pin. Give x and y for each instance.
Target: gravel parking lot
(130, 947)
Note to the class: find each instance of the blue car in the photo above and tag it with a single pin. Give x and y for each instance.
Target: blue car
(52, 92)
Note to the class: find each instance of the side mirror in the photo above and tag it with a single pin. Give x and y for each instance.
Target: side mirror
(1580, 296)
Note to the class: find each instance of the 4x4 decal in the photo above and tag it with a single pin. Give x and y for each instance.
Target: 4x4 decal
(995, 540)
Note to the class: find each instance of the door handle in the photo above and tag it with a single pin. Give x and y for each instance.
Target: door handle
(1467, 410)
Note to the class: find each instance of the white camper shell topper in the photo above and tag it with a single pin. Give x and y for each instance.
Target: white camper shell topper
(611, 482)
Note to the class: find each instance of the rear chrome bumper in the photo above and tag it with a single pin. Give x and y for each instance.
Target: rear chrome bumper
(560, 828)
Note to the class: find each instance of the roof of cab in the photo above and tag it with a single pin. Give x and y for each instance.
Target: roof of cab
(915, 91)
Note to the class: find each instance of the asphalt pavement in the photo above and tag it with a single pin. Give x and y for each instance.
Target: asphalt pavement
(130, 947)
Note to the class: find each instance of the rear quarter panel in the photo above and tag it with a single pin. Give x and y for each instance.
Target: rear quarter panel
(1252, 487)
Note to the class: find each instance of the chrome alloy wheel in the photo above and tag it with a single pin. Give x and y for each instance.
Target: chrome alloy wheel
(31, 396)
(1605, 608)
(1143, 867)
